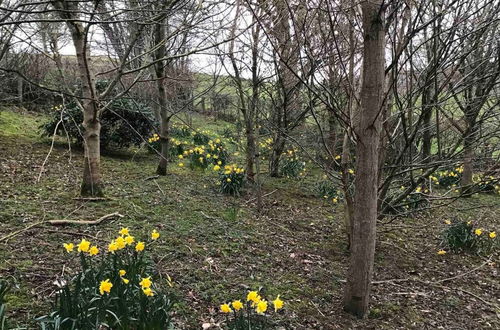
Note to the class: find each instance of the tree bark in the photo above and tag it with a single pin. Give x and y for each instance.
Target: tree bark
(357, 290)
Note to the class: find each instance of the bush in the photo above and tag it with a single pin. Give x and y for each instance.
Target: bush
(231, 179)
(460, 236)
(250, 314)
(114, 290)
(291, 166)
(124, 124)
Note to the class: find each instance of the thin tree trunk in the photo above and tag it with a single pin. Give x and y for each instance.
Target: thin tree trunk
(357, 290)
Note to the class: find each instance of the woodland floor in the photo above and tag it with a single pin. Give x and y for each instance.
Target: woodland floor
(216, 247)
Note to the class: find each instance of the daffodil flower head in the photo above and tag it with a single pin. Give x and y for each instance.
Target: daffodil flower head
(83, 246)
(261, 307)
(148, 292)
(278, 303)
(145, 282)
(124, 231)
(224, 308)
(69, 247)
(237, 305)
(155, 235)
(93, 250)
(129, 239)
(122, 272)
(139, 246)
(105, 286)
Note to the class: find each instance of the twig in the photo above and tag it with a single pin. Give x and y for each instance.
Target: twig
(159, 187)
(92, 199)
(151, 177)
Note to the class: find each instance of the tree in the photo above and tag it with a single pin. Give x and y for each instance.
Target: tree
(357, 290)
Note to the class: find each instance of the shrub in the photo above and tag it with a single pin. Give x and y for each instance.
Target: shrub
(231, 179)
(460, 236)
(291, 166)
(250, 314)
(116, 123)
(117, 290)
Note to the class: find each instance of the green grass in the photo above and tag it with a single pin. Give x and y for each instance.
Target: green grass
(217, 247)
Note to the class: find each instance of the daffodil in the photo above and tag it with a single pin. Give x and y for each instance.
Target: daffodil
(216, 167)
(155, 235)
(252, 296)
(237, 305)
(261, 307)
(181, 164)
(129, 240)
(148, 292)
(448, 222)
(478, 231)
(93, 250)
(122, 272)
(112, 247)
(493, 234)
(145, 282)
(441, 252)
(69, 247)
(139, 246)
(105, 286)
(224, 308)
(125, 280)
(278, 303)
(83, 246)
(124, 231)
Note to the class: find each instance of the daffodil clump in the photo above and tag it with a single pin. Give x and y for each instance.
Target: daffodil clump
(252, 312)
(291, 166)
(231, 178)
(486, 183)
(117, 286)
(447, 179)
(465, 236)
(327, 190)
(265, 148)
(180, 130)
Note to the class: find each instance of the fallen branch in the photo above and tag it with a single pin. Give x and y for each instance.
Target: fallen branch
(92, 199)
(85, 222)
(62, 222)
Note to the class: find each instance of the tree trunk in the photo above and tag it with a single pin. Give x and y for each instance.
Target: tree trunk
(274, 161)
(159, 37)
(357, 290)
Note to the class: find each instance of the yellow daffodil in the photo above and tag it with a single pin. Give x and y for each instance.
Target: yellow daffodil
(145, 282)
(148, 292)
(448, 222)
(105, 286)
(261, 307)
(125, 280)
(237, 305)
(83, 246)
(253, 296)
(441, 252)
(155, 235)
(216, 167)
(478, 231)
(122, 272)
(129, 240)
(124, 231)
(139, 246)
(120, 242)
(228, 179)
(181, 164)
(112, 247)
(170, 282)
(93, 250)
(493, 234)
(278, 303)
(351, 171)
(224, 308)
(69, 247)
